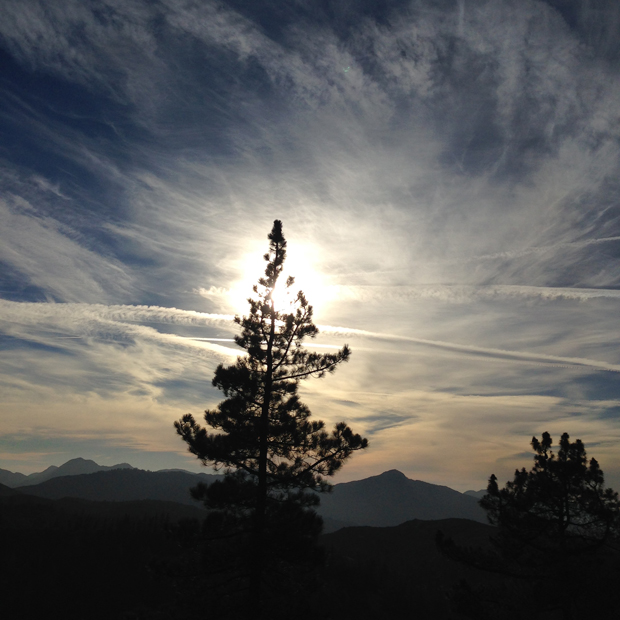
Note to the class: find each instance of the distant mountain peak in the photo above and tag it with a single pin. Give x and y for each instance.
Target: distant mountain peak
(81, 465)
(49, 469)
(393, 474)
(391, 498)
(73, 467)
(79, 461)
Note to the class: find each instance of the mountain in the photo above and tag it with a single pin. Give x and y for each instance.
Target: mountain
(78, 466)
(477, 494)
(391, 498)
(73, 467)
(15, 479)
(381, 501)
(121, 485)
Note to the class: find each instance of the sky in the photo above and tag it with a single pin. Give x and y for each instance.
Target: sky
(447, 175)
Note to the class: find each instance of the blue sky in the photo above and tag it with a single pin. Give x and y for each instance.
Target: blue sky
(447, 176)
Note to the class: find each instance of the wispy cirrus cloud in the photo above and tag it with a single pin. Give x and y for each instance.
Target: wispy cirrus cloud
(37, 246)
(123, 322)
(448, 173)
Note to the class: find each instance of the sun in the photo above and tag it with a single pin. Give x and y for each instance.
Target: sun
(300, 265)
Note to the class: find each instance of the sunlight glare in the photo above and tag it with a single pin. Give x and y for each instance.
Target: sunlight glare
(299, 265)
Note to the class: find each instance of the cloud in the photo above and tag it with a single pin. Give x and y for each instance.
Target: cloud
(454, 190)
(53, 258)
(55, 350)
(539, 250)
(31, 313)
(119, 322)
(327, 165)
(110, 431)
(458, 293)
(536, 358)
(103, 44)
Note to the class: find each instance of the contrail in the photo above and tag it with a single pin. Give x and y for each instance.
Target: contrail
(482, 351)
(459, 293)
(29, 313)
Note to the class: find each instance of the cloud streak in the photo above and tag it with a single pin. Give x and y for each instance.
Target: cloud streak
(524, 356)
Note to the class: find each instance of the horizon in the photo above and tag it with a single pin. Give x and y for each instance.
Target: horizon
(447, 178)
(207, 470)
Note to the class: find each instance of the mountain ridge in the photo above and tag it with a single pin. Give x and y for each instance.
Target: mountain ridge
(384, 500)
(118, 485)
(72, 467)
(391, 498)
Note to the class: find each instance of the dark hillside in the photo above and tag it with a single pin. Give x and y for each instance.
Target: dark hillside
(142, 560)
(20, 511)
(124, 485)
(401, 571)
(6, 491)
(76, 559)
(73, 553)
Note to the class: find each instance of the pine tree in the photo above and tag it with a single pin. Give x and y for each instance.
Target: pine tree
(560, 508)
(272, 453)
(557, 532)
(558, 535)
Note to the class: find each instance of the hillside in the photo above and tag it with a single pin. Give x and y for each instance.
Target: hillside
(119, 485)
(6, 491)
(23, 512)
(391, 498)
(401, 570)
(148, 554)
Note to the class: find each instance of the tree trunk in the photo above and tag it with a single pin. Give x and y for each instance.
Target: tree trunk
(258, 543)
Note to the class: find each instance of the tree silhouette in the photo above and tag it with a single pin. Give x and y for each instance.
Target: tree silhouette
(271, 451)
(558, 529)
(559, 508)
(559, 523)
